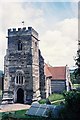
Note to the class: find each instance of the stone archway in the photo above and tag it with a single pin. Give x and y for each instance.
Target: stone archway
(20, 95)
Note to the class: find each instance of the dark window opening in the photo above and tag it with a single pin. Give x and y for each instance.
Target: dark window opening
(17, 79)
(19, 45)
(35, 44)
(22, 80)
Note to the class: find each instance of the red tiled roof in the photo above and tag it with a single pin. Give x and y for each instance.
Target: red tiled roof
(58, 73)
(46, 71)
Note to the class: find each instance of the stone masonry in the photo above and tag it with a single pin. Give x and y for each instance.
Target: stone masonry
(21, 65)
(42, 76)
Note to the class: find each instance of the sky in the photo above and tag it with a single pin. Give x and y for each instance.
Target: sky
(55, 21)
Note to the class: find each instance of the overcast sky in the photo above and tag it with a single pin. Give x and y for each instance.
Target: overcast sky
(56, 22)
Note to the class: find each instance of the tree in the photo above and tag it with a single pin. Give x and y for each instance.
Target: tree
(71, 108)
(77, 70)
(72, 77)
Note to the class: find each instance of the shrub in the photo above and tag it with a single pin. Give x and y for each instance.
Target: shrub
(72, 105)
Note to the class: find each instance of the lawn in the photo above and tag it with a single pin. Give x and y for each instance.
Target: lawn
(52, 98)
(76, 85)
(55, 97)
(15, 114)
(20, 114)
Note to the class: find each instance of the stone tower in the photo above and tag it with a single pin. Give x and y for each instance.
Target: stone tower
(21, 65)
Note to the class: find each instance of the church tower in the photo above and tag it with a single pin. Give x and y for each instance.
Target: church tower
(21, 65)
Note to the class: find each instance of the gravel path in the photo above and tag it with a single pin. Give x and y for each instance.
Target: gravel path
(13, 107)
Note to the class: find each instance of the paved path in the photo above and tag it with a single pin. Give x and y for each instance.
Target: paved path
(58, 101)
(13, 107)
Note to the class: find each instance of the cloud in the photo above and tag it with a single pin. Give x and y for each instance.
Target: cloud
(59, 45)
(11, 15)
(3, 47)
(40, 0)
(58, 42)
(68, 27)
(14, 13)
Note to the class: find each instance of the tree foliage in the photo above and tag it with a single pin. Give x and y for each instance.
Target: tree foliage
(77, 70)
(72, 78)
(72, 105)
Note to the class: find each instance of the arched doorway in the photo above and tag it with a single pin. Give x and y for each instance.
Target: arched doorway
(20, 96)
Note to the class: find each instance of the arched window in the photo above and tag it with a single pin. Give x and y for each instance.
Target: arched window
(19, 79)
(19, 45)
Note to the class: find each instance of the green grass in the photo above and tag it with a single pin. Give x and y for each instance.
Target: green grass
(76, 85)
(14, 114)
(52, 98)
(55, 97)
(42, 101)
(20, 114)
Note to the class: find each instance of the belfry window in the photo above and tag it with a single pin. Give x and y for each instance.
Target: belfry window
(19, 45)
(35, 46)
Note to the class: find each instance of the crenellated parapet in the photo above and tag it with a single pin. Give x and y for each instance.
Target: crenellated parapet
(22, 31)
(14, 30)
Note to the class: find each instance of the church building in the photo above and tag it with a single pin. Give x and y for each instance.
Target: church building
(26, 77)
(23, 60)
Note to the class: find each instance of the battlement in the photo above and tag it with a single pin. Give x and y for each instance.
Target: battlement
(16, 30)
(23, 30)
